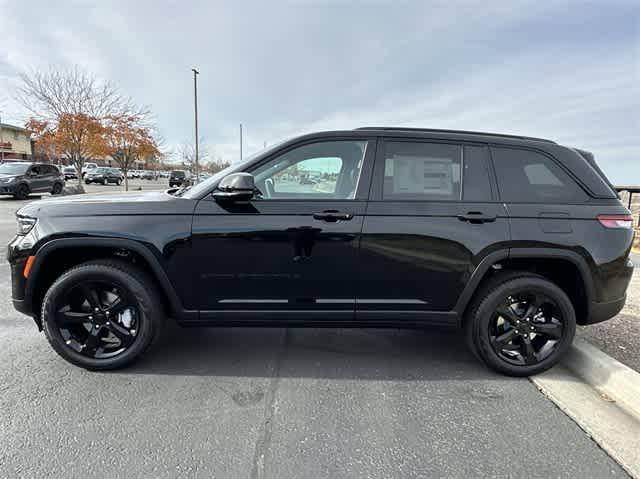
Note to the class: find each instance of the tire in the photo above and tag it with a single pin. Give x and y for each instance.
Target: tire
(105, 182)
(87, 182)
(21, 192)
(130, 281)
(118, 182)
(57, 188)
(482, 312)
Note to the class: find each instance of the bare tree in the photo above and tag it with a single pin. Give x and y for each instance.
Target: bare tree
(186, 154)
(75, 105)
(47, 95)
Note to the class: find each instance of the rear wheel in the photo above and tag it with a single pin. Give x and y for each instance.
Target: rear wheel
(521, 324)
(102, 315)
(21, 192)
(57, 188)
(118, 182)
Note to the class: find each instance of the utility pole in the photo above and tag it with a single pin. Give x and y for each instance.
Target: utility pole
(1, 140)
(240, 141)
(195, 107)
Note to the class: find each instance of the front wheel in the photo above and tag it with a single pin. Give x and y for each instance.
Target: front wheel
(102, 314)
(118, 182)
(520, 324)
(21, 192)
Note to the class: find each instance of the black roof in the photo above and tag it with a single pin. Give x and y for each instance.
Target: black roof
(455, 132)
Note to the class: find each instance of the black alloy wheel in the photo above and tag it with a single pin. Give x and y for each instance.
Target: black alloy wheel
(97, 319)
(102, 314)
(520, 324)
(526, 329)
(21, 191)
(57, 189)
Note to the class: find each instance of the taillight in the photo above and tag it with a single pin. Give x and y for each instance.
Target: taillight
(616, 221)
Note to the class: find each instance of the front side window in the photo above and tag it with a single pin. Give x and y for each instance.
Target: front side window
(325, 170)
(421, 171)
(526, 176)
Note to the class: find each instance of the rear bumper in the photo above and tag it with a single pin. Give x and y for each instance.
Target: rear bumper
(599, 312)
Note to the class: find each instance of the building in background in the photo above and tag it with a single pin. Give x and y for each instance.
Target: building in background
(15, 143)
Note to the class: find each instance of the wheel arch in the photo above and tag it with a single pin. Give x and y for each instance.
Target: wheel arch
(535, 260)
(46, 267)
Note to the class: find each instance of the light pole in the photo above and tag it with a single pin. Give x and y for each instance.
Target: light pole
(1, 140)
(240, 141)
(195, 105)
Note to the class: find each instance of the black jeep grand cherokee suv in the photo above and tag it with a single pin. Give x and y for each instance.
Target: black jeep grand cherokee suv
(513, 240)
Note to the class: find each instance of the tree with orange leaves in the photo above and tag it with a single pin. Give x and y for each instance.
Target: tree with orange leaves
(128, 140)
(78, 136)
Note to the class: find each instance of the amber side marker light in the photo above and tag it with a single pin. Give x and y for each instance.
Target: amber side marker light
(27, 266)
(616, 221)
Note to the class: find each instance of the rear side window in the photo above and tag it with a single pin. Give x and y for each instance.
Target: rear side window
(529, 177)
(421, 171)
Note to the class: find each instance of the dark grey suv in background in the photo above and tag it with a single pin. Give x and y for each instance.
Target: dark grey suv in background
(22, 178)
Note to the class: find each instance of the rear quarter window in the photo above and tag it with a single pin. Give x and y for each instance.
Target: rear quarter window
(525, 176)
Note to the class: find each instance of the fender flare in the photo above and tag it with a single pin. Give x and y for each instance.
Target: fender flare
(524, 253)
(156, 268)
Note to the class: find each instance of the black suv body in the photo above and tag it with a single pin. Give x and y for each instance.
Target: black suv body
(20, 179)
(515, 240)
(103, 175)
(178, 178)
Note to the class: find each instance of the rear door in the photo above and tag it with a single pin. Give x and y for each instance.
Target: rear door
(432, 217)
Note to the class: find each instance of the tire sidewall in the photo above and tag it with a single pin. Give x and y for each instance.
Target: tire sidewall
(149, 314)
(486, 310)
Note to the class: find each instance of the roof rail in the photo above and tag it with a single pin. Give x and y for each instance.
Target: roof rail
(460, 132)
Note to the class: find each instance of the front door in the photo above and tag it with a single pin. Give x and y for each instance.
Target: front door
(37, 178)
(290, 253)
(433, 216)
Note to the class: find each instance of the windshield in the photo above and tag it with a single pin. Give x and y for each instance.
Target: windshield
(201, 188)
(14, 168)
(177, 173)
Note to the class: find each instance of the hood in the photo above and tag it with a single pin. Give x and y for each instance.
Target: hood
(135, 203)
(8, 175)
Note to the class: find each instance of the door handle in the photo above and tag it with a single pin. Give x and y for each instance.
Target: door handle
(332, 216)
(477, 217)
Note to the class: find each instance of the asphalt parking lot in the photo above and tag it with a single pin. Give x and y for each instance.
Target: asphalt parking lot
(279, 403)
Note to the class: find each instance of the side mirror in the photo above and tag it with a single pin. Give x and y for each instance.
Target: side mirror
(235, 187)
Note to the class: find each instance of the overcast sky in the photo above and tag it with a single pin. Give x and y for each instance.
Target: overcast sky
(569, 71)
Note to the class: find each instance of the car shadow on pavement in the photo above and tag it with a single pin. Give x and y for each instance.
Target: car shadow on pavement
(331, 353)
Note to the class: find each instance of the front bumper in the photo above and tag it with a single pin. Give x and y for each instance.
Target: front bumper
(7, 189)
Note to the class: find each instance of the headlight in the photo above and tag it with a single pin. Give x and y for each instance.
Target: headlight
(25, 224)
(7, 180)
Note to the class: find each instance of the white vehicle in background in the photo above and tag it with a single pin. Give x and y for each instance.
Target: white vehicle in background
(131, 174)
(87, 167)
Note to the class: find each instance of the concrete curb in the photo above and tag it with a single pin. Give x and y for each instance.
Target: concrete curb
(605, 374)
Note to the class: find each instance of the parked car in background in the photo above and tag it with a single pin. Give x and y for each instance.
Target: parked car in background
(147, 175)
(88, 167)
(103, 175)
(179, 178)
(23, 178)
(119, 172)
(70, 173)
